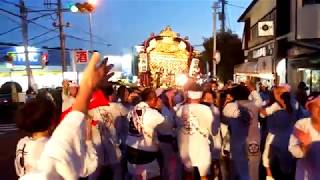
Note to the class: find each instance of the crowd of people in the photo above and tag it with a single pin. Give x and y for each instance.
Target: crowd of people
(201, 131)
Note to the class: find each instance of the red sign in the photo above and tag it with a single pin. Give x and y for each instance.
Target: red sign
(81, 56)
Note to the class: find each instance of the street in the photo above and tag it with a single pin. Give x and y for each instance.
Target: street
(9, 136)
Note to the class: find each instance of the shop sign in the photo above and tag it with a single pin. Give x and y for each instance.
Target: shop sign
(81, 56)
(265, 28)
(262, 52)
(18, 58)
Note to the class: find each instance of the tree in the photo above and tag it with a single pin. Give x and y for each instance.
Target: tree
(230, 47)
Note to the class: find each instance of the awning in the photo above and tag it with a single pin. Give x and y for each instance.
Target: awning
(253, 69)
(246, 68)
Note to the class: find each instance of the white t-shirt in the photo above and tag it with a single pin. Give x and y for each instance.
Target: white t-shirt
(28, 154)
(194, 128)
(67, 155)
(106, 134)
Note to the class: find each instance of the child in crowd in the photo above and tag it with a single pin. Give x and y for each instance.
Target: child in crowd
(37, 117)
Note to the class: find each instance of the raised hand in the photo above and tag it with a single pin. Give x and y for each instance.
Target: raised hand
(94, 73)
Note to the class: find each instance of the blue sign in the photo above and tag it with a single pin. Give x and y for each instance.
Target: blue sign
(18, 56)
(36, 56)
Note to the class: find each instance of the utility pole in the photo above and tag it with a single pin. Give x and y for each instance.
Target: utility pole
(223, 16)
(24, 25)
(214, 36)
(62, 37)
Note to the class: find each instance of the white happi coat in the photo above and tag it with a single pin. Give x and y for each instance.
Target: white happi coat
(106, 133)
(195, 122)
(143, 136)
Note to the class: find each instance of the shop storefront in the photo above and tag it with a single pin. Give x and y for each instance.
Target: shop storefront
(259, 66)
(45, 65)
(305, 68)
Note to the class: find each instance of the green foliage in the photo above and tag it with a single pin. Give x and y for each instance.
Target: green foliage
(230, 47)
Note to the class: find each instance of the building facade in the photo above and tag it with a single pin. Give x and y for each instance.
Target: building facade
(281, 42)
(45, 74)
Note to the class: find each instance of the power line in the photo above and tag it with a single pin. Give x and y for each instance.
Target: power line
(9, 2)
(46, 40)
(40, 35)
(42, 15)
(80, 39)
(29, 21)
(10, 18)
(237, 6)
(86, 32)
(10, 30)
(11, 13)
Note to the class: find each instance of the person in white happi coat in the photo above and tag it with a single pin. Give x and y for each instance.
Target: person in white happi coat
(106, 135)
(145, 124)
(254, 94)
(195, 126)
(69, 93)
(69, 152)
(304, 143)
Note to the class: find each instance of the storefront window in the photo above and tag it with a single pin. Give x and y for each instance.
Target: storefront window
(312, 79)
(311, 2)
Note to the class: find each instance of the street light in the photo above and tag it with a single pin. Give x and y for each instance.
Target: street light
(92, 2)
(86, 7)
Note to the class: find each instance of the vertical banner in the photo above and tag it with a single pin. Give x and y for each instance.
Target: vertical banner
(143, 62)
(194, 67)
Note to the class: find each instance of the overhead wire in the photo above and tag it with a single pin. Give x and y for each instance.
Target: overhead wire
(9, 2)
(40, 35)
(45, 40)
(10, 30)
(88, 33)
(32, 20)
(237, 6)
(86, 40)
(42, 15)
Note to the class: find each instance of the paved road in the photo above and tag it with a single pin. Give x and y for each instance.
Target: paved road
(7, 128)
(9, 136)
